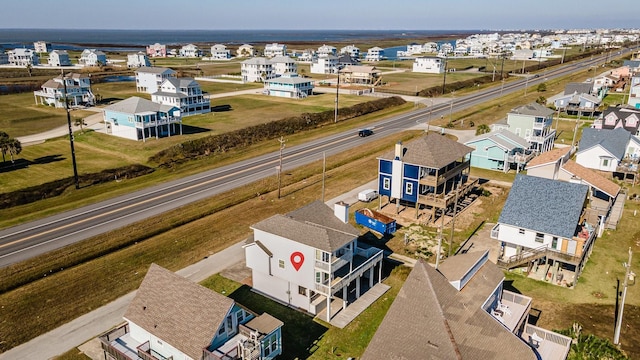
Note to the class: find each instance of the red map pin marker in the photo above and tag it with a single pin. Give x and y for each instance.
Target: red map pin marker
(297, 259)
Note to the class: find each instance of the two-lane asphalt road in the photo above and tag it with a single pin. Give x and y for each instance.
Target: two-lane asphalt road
(30, 239)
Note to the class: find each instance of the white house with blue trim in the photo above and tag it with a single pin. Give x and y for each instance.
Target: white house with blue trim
(604, 150)
(499, 150)
(289, 86)
(427, 174)
(375, 54)
(139, 119)
(173, 318)
(149, 79)
(92, 57)
(184, 93)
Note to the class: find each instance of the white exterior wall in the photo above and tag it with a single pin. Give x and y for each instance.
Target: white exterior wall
(429, 65)
(283, 282)
(324, 66)
(593, 159)
(148, 81)
(141, 335)
(548, 171)
(512, 237)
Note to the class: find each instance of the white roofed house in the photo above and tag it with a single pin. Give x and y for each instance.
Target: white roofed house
(375, 54)
(246, 50)
(149, 79)
(41, 47)
(326, 50)
(220, 52)
(275, 49)
(546, 226)
(59, 58)
(139, 119)
(137, 60)
(78, 91)
(23, 57)
(157, 50)
(324, 65)
(352, 50)
(284, 65)
(429, 64)
(190, 51)
(257, 69)
(310, 257)
(289, 86)
(183, 93)
(171, 317)
(92, 57)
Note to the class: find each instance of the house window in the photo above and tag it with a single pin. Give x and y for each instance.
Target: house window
(554, 242)
(221, 331)
(323, 256)
(521, 231)
(229, 323)
(386, 183)
(281, 264)
(302, 291)
(408, 188)
(539, 237)
(240, 316)
(605, 162)
(318, 277)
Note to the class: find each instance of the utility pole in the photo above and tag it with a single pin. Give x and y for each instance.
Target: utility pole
(73, 151)
(324, 170)
(616, 336)
(444, 78)
(451, 108)
(282, 141)
(430, 112)
(453, 220)
(502, 67)
(335, 120)
(526, 84)
(564, 52)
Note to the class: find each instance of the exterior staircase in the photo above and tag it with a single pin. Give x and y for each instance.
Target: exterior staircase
(523, 258)
(616, 211)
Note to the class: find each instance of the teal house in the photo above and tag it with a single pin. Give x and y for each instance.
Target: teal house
(532, 122)
(139, 119)
(499, 150)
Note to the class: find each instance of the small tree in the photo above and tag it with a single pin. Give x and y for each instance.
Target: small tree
(80, 122)
(542, 87)
(9, 145)
(541, 100)
(482, 129)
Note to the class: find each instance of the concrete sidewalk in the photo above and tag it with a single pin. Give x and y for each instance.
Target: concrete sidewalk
(90, 325)
(92, 121)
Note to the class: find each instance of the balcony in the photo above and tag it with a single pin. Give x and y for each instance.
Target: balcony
(513, 310)
(548, 344)
(450, 171)
(541, 139)
(336, 262)
(495, 231)
(363, 260)
(445, 200)
(158, 122)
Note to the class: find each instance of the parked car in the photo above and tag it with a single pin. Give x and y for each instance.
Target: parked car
(367, 195)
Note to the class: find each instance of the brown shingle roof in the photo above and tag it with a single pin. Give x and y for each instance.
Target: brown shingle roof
(429, 319)
(432, 150)
(455, 270)
(594, 179)
(178, 311)
(264, 324)
(548, 157)
(314, 225)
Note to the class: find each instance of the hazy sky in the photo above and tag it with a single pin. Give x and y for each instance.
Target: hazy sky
(322, 14)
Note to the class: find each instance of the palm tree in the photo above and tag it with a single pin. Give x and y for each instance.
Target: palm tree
(9, 145)
(482, 129)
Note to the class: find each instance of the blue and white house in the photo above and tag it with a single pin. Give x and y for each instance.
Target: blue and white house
(137, 60)
(351, 50)
(499, 150)
(139, 119)
(545, 225)
(173, 318)
(92, 57)
(59, 58)
(426, 173)
(374, 54)
(149, 79)
(289, 86)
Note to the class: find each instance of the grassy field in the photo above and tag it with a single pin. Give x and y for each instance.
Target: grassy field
(409, 81)
(97, 151)
(21, 116)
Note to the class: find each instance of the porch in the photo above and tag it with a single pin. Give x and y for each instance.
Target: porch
(512, 310)
(548, 344)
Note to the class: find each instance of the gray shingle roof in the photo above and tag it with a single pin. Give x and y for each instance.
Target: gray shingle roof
(429, 319)
(432, 150)
(257, 61)
(178, 311)
(542, 205)
(614, 141)
(314, 225)
(578, 88)
(154, 70)
(533, 109)
(136, 105)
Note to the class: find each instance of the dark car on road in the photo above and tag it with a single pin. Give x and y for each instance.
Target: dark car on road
(365, 132)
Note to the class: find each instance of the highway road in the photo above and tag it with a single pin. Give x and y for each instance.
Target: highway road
(34, 238)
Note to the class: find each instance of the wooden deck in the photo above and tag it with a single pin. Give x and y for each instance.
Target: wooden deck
(344, 317)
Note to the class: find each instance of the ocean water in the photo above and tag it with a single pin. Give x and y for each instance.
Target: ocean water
(73, 39)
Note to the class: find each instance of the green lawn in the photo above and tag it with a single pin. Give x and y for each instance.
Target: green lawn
(21, 116)
(306, 338)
